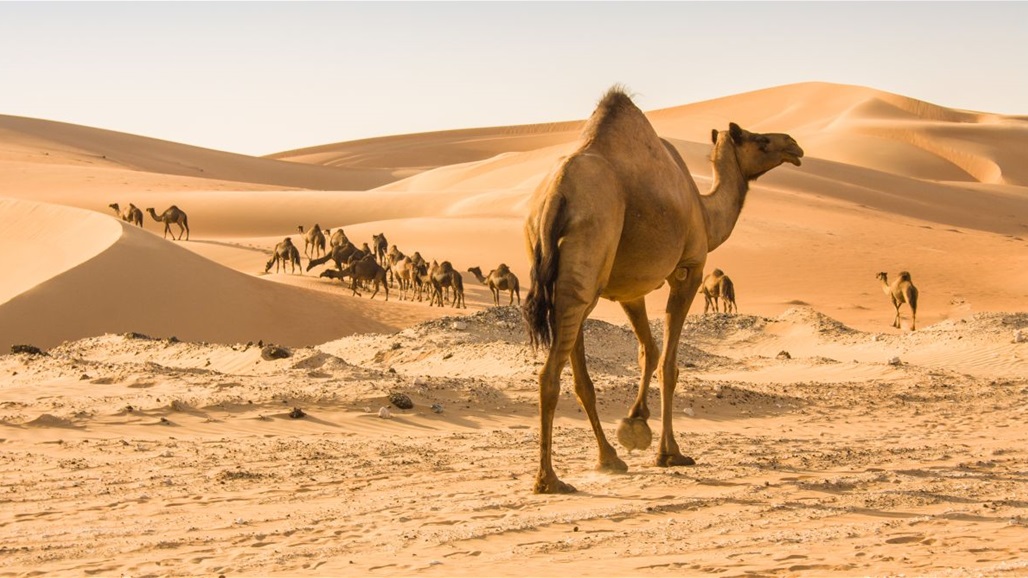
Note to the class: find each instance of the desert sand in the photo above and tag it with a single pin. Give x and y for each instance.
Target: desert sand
(150, 436)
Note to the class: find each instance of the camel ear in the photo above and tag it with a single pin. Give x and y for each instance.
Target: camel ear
(736, 132)
(713, 135)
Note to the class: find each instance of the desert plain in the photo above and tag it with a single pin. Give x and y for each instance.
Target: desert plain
(150, 437)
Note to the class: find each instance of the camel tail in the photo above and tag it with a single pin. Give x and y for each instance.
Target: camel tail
(538, 309)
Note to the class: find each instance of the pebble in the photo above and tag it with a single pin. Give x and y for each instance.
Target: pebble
(384, 413)
(438, 408)
(895, 361)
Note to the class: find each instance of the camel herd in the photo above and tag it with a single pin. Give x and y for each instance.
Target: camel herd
(172, 214)
(379, 267)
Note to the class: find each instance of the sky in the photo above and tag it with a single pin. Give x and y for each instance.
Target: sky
(263, 77)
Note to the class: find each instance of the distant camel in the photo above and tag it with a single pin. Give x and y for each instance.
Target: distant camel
(379, 247)
(286, 252)
(403, 271)
(711, 289)
(340, 254)
(313, 241)
(901, 291)
(130, 215)
(337, 237)
(727, 291)
(393, 257)
(499, 279)
(364, 270)
(172, 215)
(443, 276)
(617, 218)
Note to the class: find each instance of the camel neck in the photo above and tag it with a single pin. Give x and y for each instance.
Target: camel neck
(723, 204)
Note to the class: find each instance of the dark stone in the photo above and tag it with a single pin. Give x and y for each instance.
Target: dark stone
(401, 400)
(270, 352)
(29, 349)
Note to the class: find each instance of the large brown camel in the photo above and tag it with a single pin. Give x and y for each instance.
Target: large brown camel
(901, 291)
(131, 214)
(286, 253)
(313, 241)
(379, 246)
(711, 289)
(172, 215)
(499, 279)
(367, 269)
(617, 219)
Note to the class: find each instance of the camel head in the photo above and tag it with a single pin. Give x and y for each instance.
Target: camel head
(300, 228)
(114, 206)
(883, 277)
(757, 153)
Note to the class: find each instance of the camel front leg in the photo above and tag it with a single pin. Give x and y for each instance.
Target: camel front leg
(682, 294)
(608, 457)
(633, 431)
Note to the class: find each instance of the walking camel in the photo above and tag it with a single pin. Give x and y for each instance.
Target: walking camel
(901, 291)
(617, 219)
(499, 279)
(172, 215)
(365, 270)
(131, 214)
(313, 241)
(286, 252)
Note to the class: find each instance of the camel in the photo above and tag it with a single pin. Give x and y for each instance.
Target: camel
(618, 218)
(340, 254)
(286, 252)
(499, 279)
(172, 215)
(726, 289)
(367, 269)
(901, 291)
(313, 241)
(444, 276)
(337, 237)
(711, 288)
(380, 245)
(131, 214)
(402, 270)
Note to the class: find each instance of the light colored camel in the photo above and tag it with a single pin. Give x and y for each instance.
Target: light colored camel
(368, 270)
(499, 279)
(901, 291)
(617, 219)
(711, 289)
(337, 237)
(379, 246)
(726, 289)
(313, 241)
(402, 270)
(131, 214)
(286, 253)
(175, 215)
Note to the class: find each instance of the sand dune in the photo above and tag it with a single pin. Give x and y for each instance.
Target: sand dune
(867, 450)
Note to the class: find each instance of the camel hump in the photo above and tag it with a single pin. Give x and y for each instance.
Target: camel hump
(502, 268)
(718, 273)
(904, 276)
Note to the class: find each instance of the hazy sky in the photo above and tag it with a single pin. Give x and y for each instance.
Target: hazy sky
(263, 77)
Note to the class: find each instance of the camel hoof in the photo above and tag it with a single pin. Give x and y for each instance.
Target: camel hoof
(553, 486)
(613, 465)
(634, 433)
(672, 460)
